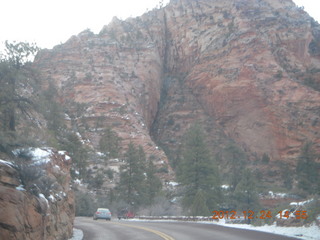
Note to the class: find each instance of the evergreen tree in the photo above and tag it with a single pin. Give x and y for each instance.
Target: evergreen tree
(153, 183)
(265, 158)
(198, 170)
(96, 181)
(79, 154)
(245, 195)
(199, 205)
(110, 143)
(287, 175)
(51, 110)
(85, 204)
(236, 161)
(308, 170)
(11, 75)
(132, 178)
(14, 73)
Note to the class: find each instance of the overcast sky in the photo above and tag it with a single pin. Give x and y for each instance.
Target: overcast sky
(51, 22)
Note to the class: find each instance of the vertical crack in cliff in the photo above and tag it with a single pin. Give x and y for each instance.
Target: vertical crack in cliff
(166, 47)
(165, 80)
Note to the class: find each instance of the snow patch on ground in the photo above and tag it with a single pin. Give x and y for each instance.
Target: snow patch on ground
(20, 188)
(77, 234)
(173, 184)
(225, 186)
(78, 181)
(100, 154)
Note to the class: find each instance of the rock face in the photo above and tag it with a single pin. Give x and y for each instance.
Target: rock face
(249, 71)
(44, 212)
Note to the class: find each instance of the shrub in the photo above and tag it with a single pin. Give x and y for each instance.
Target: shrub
(28, 172)
(85, 204)
(265, 158)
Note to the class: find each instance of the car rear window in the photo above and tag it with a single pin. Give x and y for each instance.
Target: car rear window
(103, 210)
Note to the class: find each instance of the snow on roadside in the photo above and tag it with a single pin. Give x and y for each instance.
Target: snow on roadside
(305, 233)
(77, 234)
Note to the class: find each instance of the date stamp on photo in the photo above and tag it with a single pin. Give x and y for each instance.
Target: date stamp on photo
(263, 214)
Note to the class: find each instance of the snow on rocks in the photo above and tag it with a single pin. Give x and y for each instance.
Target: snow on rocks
(38, 155)
(51, 198)
(173, 184)
(272, 195)
(41, 156)
(6, 163)
(43, 198)
(225, 187)
(20, 188)
(66, 156)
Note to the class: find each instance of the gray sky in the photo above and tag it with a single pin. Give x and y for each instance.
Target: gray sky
(51, 22)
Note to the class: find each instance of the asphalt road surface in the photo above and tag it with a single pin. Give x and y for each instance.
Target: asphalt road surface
(124, 230)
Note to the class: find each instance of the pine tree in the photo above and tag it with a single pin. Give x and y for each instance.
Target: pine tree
(308, 170)
(132, 178)
(236, 161)
(77, 151)
(153, 183)
(199, 205)
(110, 143)
(245, 195)
(51, 110)
(13, 73)
(265, 158)
(198, 170)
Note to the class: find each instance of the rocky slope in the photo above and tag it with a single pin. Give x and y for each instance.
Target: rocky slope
(44, 210)
(249, 71)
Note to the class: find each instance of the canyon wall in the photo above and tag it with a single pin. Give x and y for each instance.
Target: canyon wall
(248, 71)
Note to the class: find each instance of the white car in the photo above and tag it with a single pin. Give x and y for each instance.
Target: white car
(102, 213)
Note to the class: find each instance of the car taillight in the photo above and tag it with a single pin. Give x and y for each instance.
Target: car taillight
(97, 212)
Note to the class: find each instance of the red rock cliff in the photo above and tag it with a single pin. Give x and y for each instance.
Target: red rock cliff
(248, 70)
(46, 210)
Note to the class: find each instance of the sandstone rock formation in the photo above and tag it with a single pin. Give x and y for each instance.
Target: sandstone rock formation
(249, 71)
(40, 212)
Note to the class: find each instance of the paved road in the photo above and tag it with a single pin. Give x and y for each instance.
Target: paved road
(124, 230)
